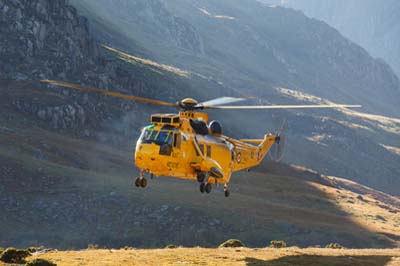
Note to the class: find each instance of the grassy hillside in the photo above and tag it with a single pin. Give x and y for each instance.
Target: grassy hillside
(226, 256)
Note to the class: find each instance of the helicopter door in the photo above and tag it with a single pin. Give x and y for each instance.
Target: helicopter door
(177, 141)
(164, 139)
(176, 145)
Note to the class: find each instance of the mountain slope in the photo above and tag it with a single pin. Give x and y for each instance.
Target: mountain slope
(372, 24)
(244, 41)
(255, 50)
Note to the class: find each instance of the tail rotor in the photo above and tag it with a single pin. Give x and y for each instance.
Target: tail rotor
(277, 151)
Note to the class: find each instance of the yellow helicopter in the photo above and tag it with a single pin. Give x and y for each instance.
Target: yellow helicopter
(187, 146)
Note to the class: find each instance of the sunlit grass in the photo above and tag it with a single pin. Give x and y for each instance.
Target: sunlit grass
(138, 60)
(225, 256)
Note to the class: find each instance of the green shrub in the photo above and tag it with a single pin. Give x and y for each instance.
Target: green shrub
(171, 246)
(278, 244)
(93, 246)
(34, 249)
(12, 255)
(40, 262)
(232, 243)
(334, 246)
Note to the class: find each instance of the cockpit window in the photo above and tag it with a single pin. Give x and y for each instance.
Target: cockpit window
(145, 134)
(162, 137)
(155, 136)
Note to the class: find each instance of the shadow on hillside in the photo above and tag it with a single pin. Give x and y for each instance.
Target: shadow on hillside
(310, 260)
(305, 214)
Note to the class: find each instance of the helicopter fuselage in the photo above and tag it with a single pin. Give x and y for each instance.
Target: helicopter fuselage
(183, 146)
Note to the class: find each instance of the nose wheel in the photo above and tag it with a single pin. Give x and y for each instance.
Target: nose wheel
(141, 182)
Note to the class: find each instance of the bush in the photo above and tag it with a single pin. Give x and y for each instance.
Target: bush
(334, 246)
(232, 243)
(278, 244)
(171, 246)
(40, 262)
(12, 255)
(93, 246)
(34, 249)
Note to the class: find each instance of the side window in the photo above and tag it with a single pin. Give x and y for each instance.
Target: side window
(201, 148)
(169, 139)
(177, 140)
(209, 151)
(162, 137)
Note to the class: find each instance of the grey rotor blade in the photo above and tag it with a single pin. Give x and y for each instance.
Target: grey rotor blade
(241, 107)
(220, 101)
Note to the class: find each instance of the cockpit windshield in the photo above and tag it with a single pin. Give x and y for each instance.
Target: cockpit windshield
(159, 137)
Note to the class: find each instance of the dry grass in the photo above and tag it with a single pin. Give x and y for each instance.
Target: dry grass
(225, 256)
(365, 210)
(154, 65)
(395, 150)
(388, 124)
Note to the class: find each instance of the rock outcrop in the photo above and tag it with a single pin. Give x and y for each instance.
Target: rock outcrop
(43, 39)
(47, 39)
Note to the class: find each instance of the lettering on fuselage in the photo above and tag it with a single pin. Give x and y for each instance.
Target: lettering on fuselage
(172, 165)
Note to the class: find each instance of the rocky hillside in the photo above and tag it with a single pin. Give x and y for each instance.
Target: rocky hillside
(373, 24)
(41, 39)
(245, 42)
(49, 40)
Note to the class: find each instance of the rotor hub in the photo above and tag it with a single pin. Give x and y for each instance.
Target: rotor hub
(188, 104)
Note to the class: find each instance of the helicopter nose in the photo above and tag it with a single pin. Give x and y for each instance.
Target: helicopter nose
(145, 156)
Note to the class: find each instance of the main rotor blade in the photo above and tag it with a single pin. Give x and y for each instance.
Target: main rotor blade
(108, 93)
(241, 107)
(220, 101)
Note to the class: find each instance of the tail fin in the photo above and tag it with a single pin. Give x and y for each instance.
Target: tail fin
(266, 144)
(251, 155)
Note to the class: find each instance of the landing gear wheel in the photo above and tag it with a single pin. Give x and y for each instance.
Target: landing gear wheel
(226, 191)
(202, 187)
(138, 182)
(208, 188)
(143, 182)
(200, 177)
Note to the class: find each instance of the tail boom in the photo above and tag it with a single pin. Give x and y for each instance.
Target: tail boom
(248, 156)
